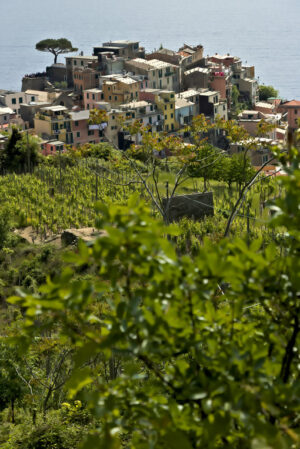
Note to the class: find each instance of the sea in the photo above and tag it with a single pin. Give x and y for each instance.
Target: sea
(265, 33)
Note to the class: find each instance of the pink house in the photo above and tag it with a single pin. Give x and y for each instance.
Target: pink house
(52, 147)
(91, 97)
(293, 111)
(81, 131)
(219, 83)
(265, 108)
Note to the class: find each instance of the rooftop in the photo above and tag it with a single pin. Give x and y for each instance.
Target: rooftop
(263, 104)
(183, 103)
(291, 103)
(80, 115)
(94, 58)
(94, 90)
(208, 93)
(188, 93)
(6, 111)
(197, 69)
(54, 142)
(55, 108)
(135, 104)
(150, 64)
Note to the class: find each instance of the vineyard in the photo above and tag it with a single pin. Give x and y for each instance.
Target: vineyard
(52, 199)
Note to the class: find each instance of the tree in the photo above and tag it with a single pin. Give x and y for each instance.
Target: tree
(21, 151)
(209, 345)
(56, 47)
(266, 92)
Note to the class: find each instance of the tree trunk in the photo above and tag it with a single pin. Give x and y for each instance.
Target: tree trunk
(55, 58)
(13, 411)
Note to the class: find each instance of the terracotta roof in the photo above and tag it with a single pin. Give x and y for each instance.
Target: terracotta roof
(291, 103)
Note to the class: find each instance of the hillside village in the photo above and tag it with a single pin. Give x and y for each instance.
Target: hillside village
(164, 90)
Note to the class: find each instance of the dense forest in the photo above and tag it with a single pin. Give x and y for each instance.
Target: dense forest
(155, 334)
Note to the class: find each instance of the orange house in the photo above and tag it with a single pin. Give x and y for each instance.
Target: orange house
(293, 111)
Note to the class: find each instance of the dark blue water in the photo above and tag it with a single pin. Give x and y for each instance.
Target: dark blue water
(265, 33)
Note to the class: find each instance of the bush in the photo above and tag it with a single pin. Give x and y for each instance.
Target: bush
(4, 226)
(52, 434)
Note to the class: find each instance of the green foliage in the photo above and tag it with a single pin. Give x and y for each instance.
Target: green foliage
(55, 46)
(61, 84)
(5, 225)
(208, 346)
(54, 433)
(266, 92)
(20, 150)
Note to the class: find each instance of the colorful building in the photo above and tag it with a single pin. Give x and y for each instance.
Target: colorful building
(53, 122)
(91, 97)
(82, 131)
(165, 101)
(51, 147)
(292, 108)
(85, 78)
(120, 89)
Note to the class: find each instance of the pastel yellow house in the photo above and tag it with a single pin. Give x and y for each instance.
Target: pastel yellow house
(54, 122)
(165, 100)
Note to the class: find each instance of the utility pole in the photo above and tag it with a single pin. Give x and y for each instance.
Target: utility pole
(248, 224)
(28, 152)
(60, 171)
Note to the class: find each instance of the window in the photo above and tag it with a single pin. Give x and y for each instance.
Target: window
(151, 107)
(32, 98)
(296, 111)
(172, 127)
(78, 134)
(171, 106)
(91, 133)
(109, 88)
(109, 97)
(166, 117)
(14, 101)
(265, 158)
(150, 120)
(93, 96)
(116, 98)
(88, 96)
(81, 63)
(166, 107)
(113, 117)
(75, 62)
(76, 123)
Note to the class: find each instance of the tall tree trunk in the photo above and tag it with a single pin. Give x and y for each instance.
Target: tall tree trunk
(13, 411)
(55, 58)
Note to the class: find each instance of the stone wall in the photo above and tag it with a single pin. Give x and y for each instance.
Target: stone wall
(195, 206)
